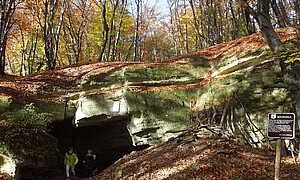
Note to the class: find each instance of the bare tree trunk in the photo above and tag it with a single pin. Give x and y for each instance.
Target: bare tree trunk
(284, 15)
(186, 35)
(136, 43)
(2, 56)
(112, 27)
(11, 67)
(278, 14)
(105, 32)
(58, 29)
(264, 22)
(196, 25)
(249, 24)
(177, 22)
(118, 35)
(204, 25)
(75, 30)
(47, 30)
(173, 30)
(51, 32)
(7, 8)
(234, 30)
(23, 54)
(32, 52)
(297, 11)
(266, 27)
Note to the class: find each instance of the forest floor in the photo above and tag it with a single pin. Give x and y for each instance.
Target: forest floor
(199, 156)
(206, 158)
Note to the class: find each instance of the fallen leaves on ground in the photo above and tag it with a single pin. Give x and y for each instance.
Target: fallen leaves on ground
(207, 158)
(67, 79)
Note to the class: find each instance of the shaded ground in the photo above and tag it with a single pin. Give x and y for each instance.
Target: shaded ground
(198, 155)
(205, 158)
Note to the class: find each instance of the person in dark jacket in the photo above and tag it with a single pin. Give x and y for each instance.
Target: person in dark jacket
(89, 162)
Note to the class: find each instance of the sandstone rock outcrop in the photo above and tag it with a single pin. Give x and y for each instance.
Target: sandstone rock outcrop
(124, 105)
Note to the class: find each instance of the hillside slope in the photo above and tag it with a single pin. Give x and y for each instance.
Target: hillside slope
(196, 154)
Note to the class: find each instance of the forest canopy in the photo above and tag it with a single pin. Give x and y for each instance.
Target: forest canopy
(44, 35)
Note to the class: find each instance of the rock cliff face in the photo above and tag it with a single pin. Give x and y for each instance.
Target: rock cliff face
(148, 104)
(143, 96)
(118, 107)
(156, 101)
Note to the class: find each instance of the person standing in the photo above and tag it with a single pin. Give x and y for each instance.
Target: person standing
(89, 162)
(70, 161)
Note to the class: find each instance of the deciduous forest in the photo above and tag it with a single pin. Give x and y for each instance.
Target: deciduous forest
(44, 35)
(158, 89)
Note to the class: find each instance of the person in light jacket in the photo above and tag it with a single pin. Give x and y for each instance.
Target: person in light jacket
(70, 161)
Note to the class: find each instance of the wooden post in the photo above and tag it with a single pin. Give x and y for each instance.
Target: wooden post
(278, 159)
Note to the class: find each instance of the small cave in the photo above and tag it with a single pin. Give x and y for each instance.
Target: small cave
(109, 142)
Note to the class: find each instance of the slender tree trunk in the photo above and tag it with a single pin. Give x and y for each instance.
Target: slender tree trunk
(118, 35)
(278, 14)
(136, 43)
(112, 28)
(297, 11)
(249, 26)
(186, 34)
(104, 32)
(284, 15)
(31, 54)
(196, 25)
(180, 36)
(173, 36)
(7, 8)
(234, 30)
(51, 32)
(47, 33)
(204, 25)
(11, 67)
(58, 30)
(2, 56)
(23, 56)
(221, 25)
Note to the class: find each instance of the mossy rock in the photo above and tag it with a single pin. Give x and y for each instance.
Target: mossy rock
(26, 149)
(5, 102)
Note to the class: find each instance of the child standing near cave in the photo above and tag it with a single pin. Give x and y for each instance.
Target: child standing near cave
(89, 162)
(70, 161)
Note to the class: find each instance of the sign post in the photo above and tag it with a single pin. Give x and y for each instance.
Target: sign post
(278, 158)
(280, 126)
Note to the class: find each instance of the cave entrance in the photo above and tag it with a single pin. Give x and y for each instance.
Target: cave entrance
(109, 142)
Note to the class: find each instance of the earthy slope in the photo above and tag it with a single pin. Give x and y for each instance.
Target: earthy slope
(22, 88)
(196, 156)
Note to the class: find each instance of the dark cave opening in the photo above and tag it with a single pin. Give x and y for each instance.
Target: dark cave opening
(109, 142)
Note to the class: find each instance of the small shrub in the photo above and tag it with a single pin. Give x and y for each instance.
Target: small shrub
(28, 116)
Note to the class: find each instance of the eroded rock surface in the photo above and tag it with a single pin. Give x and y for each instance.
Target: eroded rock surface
(143, 104)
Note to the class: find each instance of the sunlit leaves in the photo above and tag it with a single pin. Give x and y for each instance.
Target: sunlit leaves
(181, 28)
